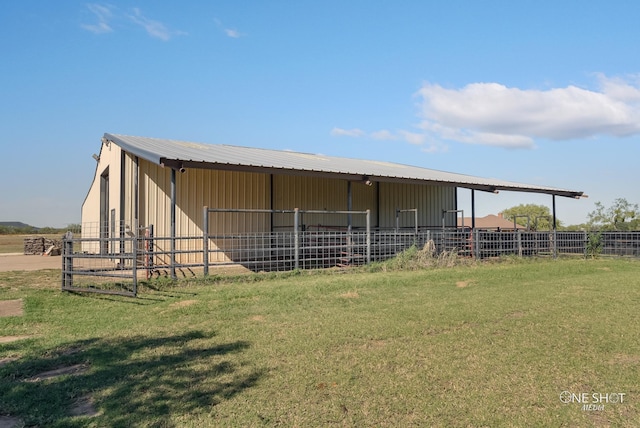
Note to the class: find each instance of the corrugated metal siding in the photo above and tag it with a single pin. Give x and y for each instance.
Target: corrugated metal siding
(195, 189)
(364, 198)
(129, 191)
(429, 200)
(313, 193)
(92, 223)
(309, 193)
(155, 197)
(236, 190)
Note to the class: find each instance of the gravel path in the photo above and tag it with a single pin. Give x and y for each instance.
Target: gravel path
(13, 261)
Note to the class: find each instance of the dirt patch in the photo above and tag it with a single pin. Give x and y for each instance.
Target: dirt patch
(9, 339)
(625, 360)
(350, 295)
(183, 303)
(4, 361)
(11, 308)
(516, 314)
(69, 370)
(464, 284)
(9, 262)
(375, 344)
(10, 422)
(259, 318)
(84, 406)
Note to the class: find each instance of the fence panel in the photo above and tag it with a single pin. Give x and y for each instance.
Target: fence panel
(114, 262)
(620, 243)
(112, 269)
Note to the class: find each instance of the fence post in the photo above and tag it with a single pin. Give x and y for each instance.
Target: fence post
(205, 239)
(368, 236)
(296, 237)
(474, 238)
(67, 260)
(585, 243)
(134, 264)
(519, 239)
(150, 256)
(555, 243)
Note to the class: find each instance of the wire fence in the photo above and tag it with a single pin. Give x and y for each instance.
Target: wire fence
(114, 262)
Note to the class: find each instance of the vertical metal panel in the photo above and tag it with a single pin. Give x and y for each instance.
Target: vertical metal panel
(310, 193)
(429, 200)
(194, 189)
(129, 191)
(364, 198)
(155, 197)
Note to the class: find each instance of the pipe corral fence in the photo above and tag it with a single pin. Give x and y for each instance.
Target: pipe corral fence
(112, 258)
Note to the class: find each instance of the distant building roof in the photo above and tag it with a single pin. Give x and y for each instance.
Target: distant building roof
(491, 221)
(178, 154)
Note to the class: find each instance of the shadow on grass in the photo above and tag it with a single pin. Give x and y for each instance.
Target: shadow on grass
(133, 381)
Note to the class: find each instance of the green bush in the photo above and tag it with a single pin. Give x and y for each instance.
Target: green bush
(594, 244)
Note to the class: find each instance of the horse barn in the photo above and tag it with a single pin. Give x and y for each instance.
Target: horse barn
(170, 202)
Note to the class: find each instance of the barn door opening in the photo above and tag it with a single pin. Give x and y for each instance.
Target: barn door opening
(104, 212)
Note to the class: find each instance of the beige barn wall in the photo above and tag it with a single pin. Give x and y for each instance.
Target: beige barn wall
(313, 193)
(429, 200)
(110, 155)
(195, 189)
(242, 190)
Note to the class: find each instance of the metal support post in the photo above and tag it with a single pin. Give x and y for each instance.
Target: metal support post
(173, 224)
(555, 235)
(473, 209)
(205, 239)
(368, 236)
(349, 206)
(296, 237)
(134, 263)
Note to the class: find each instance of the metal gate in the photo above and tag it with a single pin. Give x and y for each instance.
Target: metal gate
(290, 245)
(108, 272)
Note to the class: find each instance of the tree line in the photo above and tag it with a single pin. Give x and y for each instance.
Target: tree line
(620, 216)
(32, 230)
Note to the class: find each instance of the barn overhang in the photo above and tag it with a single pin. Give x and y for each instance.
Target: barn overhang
(181, 156)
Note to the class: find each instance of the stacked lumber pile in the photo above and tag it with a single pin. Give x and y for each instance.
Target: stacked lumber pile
(39, 245)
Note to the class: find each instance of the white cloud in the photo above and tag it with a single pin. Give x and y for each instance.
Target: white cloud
(230, 32)
(339, 132)
(154, 28)
(413, 138)
(493, 114)
(619, 89)
(383, 134)
(104, 14)
(107, 13)
(435, 148)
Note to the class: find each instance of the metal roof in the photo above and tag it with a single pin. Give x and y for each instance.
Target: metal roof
(183, 154)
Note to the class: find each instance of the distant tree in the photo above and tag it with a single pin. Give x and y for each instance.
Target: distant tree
(575, 227)
(622, 216)
(540, 217)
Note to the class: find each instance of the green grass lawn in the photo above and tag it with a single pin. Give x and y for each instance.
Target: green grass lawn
(482, 345)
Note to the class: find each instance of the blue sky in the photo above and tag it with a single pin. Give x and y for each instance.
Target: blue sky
(539, 92)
